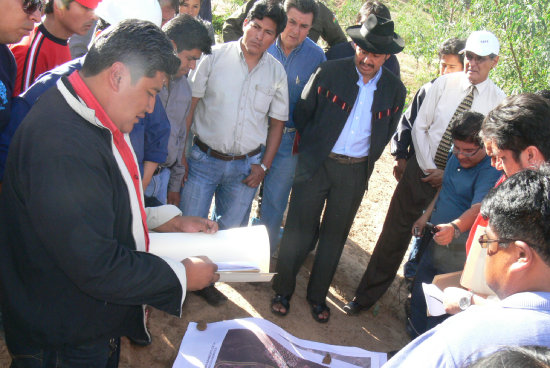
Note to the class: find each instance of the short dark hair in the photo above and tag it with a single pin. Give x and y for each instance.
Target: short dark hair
(48, 9)
(303, 6)
(515, 356)
(544, 93)
(519, 208)
(466, 127)
(139, 44)
(519, 122)
(271, 9)
(373, 7)
(452, 46)
(188, 33)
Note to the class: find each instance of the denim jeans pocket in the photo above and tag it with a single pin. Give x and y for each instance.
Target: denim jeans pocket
(196, 154)
(256, 159)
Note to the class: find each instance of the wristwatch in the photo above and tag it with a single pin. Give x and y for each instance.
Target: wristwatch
(264, 167)
(465, 301)
(457, 230)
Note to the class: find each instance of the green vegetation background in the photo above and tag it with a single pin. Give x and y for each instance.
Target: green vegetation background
(522, 27)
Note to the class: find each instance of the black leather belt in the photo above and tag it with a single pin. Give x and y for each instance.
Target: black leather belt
(343, 159)
(222, 156)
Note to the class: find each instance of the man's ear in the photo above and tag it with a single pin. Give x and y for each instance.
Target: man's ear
(495, 61)
(534, 157)
(59, 7)
(523, 256)
(245, 23)
(387, 57)
(116, 73)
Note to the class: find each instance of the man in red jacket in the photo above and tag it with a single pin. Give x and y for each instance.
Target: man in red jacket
(47, 45)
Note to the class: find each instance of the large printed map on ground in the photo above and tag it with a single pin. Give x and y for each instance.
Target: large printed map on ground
(258, 343)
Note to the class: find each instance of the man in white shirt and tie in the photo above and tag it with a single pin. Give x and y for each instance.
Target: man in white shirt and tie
(451, 93)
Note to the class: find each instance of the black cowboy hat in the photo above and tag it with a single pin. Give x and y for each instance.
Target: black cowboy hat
(376, 35)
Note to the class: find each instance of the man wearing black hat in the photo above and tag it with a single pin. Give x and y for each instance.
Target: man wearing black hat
(448, 97)
(348, 112)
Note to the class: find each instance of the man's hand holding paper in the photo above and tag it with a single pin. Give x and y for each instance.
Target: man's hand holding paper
(200, 272)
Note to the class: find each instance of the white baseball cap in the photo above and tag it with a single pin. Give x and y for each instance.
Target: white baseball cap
(482, 43)
(114, 11)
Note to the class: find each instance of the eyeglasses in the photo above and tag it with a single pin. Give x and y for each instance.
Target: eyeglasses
(31, 6)
(456, 152)
(474, 57)
(488, 244)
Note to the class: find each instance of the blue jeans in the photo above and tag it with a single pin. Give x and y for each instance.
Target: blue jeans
(210, 176)
(425, 273)
(158, 187)
(277, 185)
(418, 246)
(25, 354)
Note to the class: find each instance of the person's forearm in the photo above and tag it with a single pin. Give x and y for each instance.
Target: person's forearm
(466, 220)
(431, 206)
(149, 168)
(274, 136)
(189, 120)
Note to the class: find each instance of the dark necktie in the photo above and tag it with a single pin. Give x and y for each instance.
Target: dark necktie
(446, 141)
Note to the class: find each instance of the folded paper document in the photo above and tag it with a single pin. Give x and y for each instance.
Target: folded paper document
(242, 254)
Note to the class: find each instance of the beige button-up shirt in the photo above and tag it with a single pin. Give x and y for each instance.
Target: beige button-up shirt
(439, 107)
(232, 113)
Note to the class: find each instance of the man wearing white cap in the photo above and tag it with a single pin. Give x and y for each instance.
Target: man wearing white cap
(450, 95)
(47, 46)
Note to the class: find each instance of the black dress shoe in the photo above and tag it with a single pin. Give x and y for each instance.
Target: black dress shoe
(212, 295)
(140, 342)
(353, 308)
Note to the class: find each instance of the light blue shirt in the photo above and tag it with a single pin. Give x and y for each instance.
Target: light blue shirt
(354, 141)
(518, 320)
(299, 66)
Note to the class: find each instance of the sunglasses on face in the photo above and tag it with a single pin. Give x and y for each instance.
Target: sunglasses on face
(31, 6)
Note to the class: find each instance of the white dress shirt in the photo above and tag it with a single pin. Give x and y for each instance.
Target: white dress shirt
(232, 114)
(354, 140)
(439, 107)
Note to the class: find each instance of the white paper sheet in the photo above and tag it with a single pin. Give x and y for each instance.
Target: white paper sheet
(473, 276)
(434, 299)
(246, 245)
(254, 342)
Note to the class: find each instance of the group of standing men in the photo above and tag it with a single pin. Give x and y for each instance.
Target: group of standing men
(55, 181)
(73, 209)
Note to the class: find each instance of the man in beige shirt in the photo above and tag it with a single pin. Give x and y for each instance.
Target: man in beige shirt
(239, 106)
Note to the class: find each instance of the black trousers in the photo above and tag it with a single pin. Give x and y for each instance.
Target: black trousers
(410, 198)
(341, 187)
